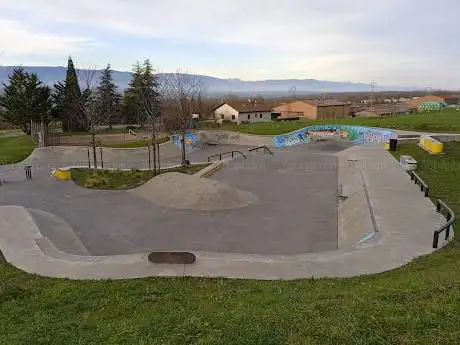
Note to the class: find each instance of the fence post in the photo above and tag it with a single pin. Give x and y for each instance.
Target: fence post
(435, 239)
(448, 217)
(150, 159)
(427, 191)
(102, 160)
(438, 206)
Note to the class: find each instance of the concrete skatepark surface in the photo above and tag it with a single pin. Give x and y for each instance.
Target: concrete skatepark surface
(296, 213)
(292, 214)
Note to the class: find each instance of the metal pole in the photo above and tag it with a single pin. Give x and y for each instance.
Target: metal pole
(158, 156)
(89, 160)
(435, 240)
(150, 159)
(102, 161)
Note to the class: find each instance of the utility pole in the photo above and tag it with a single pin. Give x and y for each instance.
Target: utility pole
(373, 83)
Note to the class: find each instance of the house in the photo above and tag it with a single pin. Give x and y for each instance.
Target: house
(452, 99)
(250, 111)
(384, 110)
(313, 109)
(426, 102)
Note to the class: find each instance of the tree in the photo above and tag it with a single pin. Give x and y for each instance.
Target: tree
(131, 101)
(108, 93)
(184, 93)
(72, 98)
(58, 97)
(26, 99)
(150, 107)
(91, 112)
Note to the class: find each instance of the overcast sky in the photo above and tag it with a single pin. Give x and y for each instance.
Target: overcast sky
(392, 42)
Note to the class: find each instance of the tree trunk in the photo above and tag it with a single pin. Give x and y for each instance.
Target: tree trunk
(93, 137)
(183, 148)
(154, 147)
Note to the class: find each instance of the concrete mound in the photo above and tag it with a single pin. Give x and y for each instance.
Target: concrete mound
(183, 191)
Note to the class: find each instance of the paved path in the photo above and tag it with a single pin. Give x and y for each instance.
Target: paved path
(404, 220)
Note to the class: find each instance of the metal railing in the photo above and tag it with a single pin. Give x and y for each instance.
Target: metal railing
(225, 153)
(417, 180)
(264, 147)
(450, 217)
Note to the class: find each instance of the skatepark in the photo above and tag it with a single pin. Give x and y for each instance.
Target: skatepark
(331, 202)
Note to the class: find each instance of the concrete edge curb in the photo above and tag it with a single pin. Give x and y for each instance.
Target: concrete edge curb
(20, 235)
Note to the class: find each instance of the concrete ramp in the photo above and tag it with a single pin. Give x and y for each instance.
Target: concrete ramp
(191, 192)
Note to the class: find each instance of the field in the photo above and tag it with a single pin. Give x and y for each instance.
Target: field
(444, 121)
(417, 304)
(15, 149)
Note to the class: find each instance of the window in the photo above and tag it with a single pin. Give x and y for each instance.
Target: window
(233, 117)
(260, 115)
(249, 116)
(222, 116)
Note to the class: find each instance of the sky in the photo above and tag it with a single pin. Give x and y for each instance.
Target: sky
(390, 42)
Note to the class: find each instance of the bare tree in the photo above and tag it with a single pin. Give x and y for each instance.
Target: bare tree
(151, 109)
(92, 112)
(184, 93)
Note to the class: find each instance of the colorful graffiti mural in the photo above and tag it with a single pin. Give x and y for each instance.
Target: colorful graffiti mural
(357, 134)
(191, 141)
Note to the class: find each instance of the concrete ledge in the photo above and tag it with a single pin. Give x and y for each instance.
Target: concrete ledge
(355, 223)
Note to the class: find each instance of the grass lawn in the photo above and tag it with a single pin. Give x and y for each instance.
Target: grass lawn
(8, 131)
(135, 144)
(447, 120)
(15, 149)
(122, 179)
(417, 304)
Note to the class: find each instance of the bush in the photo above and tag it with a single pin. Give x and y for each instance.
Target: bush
(245, 122)
(227, 122)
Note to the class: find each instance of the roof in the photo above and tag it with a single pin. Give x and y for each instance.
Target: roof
(383, 109)
(248, 107)
(416, 103)
(325, 102)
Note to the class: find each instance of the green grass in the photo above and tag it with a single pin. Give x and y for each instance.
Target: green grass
(135, 144)
(8, 131)
(447, 120)
(113, 130)
(417, 304)
(122, 179)
(15, 149)
(440, 172)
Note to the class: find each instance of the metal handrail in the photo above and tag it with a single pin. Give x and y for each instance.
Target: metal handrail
(417, 180)
(450, 217)
(224, 153)
(265, 147)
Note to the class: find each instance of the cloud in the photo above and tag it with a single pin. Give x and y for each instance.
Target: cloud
(18, 39)
(392, 41)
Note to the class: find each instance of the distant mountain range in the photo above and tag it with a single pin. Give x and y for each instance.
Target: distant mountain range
(221, 87)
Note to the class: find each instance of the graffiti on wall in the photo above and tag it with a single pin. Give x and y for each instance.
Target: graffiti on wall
(357, 134)
(191, 141)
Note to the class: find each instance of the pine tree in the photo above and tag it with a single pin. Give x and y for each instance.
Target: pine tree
(72, 99)
(131, 101)
(26, 99)
(108, 94)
